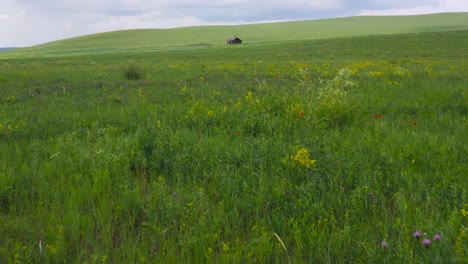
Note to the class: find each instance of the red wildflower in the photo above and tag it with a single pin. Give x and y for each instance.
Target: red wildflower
(238, 132)
(415, 123)
(302, 114)
(378, 116)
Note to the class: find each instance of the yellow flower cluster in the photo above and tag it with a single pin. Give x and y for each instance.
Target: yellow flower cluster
(464, 212)
(249, 96)
(301, 159)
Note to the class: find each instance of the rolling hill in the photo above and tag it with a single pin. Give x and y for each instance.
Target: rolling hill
(209, 36)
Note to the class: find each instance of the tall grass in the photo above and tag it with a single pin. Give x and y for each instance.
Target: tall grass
(210, 160)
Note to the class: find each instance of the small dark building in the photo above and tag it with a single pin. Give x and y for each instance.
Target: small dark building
(234, 40)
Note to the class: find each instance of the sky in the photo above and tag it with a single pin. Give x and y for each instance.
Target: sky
(31, 22)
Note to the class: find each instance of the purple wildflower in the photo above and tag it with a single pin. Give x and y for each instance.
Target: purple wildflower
(426, 242)
(417, 234)
(437, 237)
(384, 244)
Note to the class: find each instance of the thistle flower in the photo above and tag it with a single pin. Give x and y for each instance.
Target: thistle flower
(417, 234)
(437, 237)
(426, 242)
(384, 244)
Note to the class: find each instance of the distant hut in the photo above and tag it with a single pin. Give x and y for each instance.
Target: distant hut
(234, 40)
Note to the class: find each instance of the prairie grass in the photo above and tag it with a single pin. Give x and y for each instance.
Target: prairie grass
(317, 156)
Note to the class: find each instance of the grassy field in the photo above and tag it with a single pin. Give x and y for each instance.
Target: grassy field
(306, 151)
(214, 36)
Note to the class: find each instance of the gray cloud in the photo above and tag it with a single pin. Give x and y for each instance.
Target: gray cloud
(31, 22)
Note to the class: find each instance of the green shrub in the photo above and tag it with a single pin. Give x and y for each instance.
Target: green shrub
(334, 104)
(134, 72)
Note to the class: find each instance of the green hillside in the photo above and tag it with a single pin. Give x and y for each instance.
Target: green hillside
(307, 150)
(206, 36)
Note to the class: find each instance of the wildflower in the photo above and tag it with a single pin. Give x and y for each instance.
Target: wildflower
(417, 234)
(384, 244)
(249, 96)
(302, 114)
(426, 242)
(437, 237)
(238, 132)
(378, 116)
(174, 194)
(301, 159)
(415, 123)
(464, 212)
(226, 246)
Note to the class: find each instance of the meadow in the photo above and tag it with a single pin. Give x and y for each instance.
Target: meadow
(346, 150)
(203, 37)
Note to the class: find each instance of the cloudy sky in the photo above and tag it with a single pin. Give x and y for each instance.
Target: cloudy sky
(31, 22)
